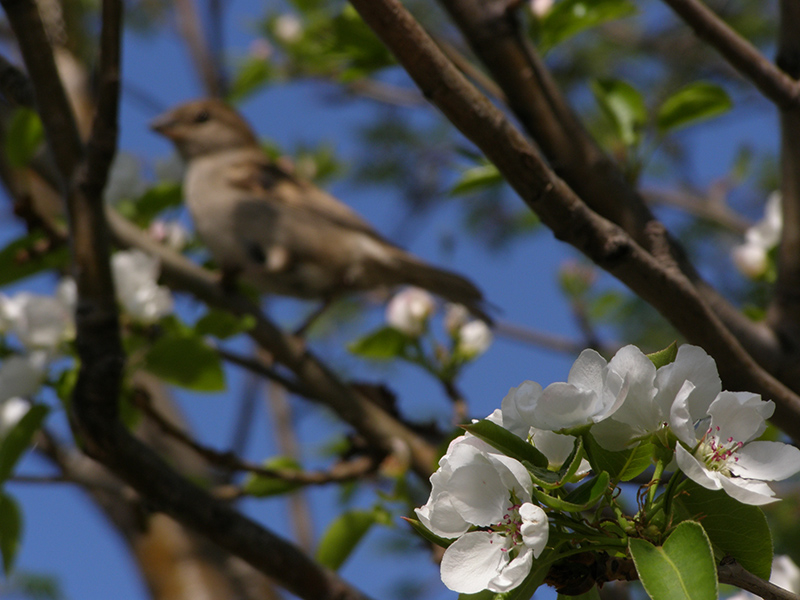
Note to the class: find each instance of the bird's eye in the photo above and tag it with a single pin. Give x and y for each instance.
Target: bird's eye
(202, 116)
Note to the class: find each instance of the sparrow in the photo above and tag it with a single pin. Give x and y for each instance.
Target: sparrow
(279, 233)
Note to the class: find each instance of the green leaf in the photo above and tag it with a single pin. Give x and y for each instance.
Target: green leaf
(250, 75)
(146, 207)
(508, 443)
(222, 324)
(581, 498)
(23, 257)
(623, 465)
(735, 529)
(427, 533)
(17, 440)
(262, 486)
(24, 136)
(696, 102)
(665, 356)
(477, 179)
(344, 534)
(624, 105)
(682, 569)
(186, 361)
(10, 530)
(385, 343)
(570, 17)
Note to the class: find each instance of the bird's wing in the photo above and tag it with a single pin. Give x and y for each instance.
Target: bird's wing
(255, 174)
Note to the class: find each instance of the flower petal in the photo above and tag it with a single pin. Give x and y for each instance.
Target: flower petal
(535, 527)
(514, 573)
(695, 470)
(748, 491)
(471, 562)
(769, 461)
(691, 364)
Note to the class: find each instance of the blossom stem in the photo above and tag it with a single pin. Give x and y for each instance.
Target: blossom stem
(651, 493)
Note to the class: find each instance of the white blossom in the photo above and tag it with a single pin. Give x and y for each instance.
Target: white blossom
(725, 457)
(288, 28)
(676, 395)
(474, 338)
(751, 257)
(170, 233)
(455, 317)
(39, 322)
(592, 392)
(476, 486)
(541, 7)
(11, 413)
(22, 375)
(135, 275)
(409, 310)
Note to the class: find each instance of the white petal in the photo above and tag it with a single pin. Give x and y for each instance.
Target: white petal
(563, 405)
(693, 364)
(11, 412)
(478, 493)
(535, 528)
(680, 420)
(440, 516)
(770, 461)
(588, 371)
(613, 435)
(748, 491)
(632, 365)
(472, 561)
(521, 402)
(555, 446)
(739, 416)
(785, 573)
(695, 470)
(513, 574)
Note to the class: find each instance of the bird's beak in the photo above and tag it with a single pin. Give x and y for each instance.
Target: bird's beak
(164, 124)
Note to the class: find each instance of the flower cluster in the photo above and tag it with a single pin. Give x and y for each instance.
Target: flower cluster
(410, 310)
(43, 324)
(501, 510)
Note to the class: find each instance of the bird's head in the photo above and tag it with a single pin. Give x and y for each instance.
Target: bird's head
(204, 127)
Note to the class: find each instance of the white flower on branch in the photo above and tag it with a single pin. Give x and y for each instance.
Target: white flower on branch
(135, 277)
(409, 310)
(726, 457)
(483, 498)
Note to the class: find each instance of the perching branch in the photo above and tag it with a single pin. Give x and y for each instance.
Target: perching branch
(733, 573)
(770, 80)
(655, 278)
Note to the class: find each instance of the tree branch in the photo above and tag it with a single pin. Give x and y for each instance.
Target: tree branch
(770, 80)
(733, 573)
(656, 280)
(495, 36)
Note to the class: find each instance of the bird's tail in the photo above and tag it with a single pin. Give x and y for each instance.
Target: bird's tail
(446, 284)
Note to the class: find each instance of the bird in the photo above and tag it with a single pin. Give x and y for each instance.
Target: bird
(279, 233)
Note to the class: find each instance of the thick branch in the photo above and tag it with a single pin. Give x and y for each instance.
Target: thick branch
(771, 81)
(498, 40)
(658, 282)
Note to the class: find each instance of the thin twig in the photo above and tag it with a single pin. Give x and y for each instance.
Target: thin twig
(231, 461)
(191, 30)
(741, 54)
